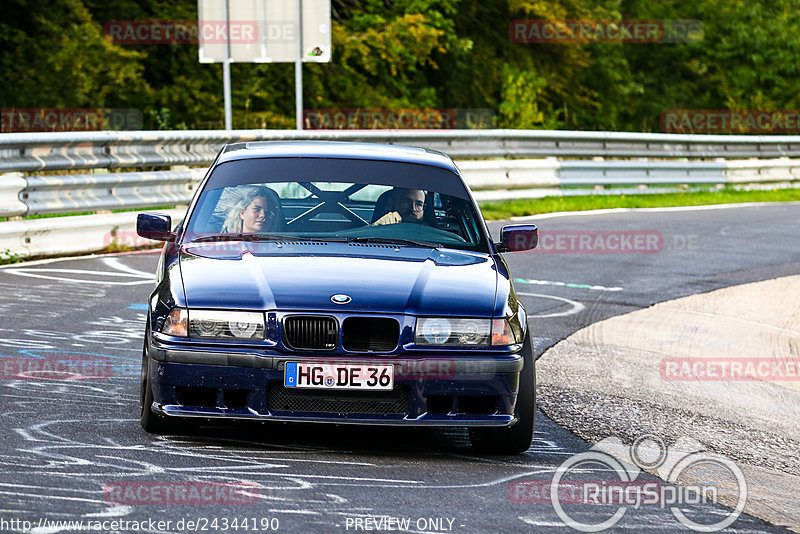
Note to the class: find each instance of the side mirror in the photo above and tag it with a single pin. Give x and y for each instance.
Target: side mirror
(154, 226)
(518, 237)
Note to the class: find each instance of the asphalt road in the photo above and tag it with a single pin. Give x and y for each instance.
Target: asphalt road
(71, 448)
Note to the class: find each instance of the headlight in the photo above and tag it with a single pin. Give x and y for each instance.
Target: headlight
(224, 324)
(452, 331)
(214, 324)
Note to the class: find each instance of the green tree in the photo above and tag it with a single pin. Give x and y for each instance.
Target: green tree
(54, 55)
(382, 54)
(414, 54)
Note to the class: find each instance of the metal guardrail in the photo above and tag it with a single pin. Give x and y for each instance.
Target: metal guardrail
(38, 195)
(701, 163)
(498, 180)
(85, 150)
(79, 234)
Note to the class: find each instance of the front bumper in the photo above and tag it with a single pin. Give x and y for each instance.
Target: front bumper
(431, 389)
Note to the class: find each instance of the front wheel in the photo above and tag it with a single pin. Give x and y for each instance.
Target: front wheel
(518, 437)
(151, 422)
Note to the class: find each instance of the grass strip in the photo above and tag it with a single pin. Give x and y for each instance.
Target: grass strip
(54, 215)
(520, 207)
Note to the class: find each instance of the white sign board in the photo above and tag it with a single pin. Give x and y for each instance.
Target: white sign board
(263, 31)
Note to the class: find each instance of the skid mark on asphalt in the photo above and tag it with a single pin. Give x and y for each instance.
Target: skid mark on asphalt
(47, 449)
(120, 332)
(97, 455)
(288, 480)
(38, 300)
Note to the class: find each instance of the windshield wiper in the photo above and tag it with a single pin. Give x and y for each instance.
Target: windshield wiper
(261, 237)
(394, 241)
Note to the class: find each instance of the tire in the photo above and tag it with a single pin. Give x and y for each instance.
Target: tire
(517, 438)
(151, 422)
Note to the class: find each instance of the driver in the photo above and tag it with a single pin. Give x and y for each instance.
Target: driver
(403, 205)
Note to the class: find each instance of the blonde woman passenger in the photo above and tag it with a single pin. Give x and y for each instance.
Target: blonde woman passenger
(255, 212)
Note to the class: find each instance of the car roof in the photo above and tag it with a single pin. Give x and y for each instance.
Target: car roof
(335, 149)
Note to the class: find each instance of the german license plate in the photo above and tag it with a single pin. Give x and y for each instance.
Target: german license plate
(338, 376)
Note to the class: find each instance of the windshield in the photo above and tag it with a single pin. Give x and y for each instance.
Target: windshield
(336, 200)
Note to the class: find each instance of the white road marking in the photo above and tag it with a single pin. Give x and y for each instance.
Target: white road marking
(741, 320)
(112, 511)
(70, 258)
(537, 522)
(577, 307)
(71, 271)
(115, 264)
(488, 483)
(301, 512)
(47, 496)
(247, 462)
(37, 273)
(120, 271)
(647, 210)
(48, 488)
(566, 284)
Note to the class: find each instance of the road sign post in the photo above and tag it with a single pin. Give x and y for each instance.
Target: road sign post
(264, 31)
(298, 70)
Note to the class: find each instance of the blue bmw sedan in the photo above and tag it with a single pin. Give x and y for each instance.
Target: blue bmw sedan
(340, 283)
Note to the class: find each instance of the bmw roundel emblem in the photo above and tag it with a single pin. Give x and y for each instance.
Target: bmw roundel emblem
(341, 299)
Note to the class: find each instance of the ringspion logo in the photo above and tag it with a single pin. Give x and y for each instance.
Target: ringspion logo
(693, 477)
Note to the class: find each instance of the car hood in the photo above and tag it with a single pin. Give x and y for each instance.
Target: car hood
(378, 278)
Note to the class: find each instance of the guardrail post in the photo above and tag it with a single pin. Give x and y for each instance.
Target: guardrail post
(11, 186)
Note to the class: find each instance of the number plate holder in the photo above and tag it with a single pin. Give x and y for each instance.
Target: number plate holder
(312, 375)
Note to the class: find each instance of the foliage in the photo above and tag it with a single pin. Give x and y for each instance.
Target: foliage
(519, 107)
(54, 55)
(414, 54)
(9, 256)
